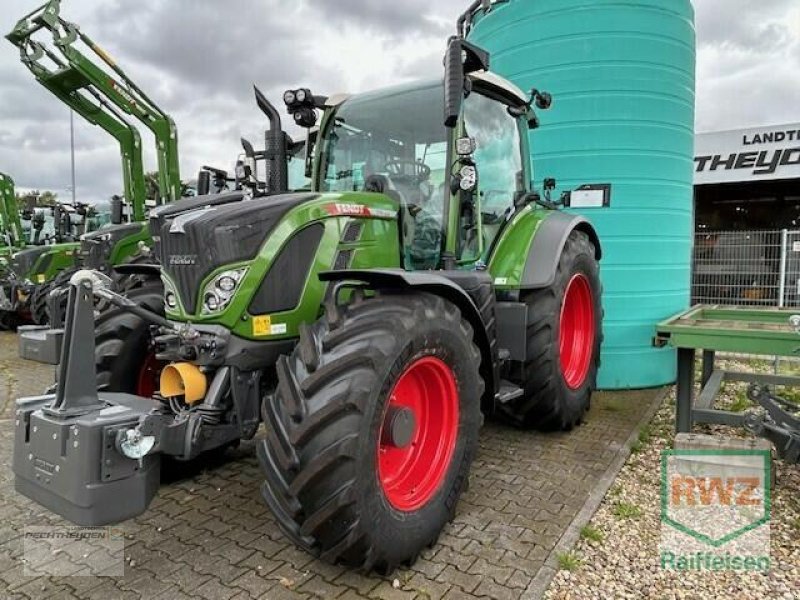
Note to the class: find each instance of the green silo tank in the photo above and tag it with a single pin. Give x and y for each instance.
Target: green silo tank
(622, 76)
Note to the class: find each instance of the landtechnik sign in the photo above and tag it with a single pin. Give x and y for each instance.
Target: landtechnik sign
(715, 510)
(761, 154)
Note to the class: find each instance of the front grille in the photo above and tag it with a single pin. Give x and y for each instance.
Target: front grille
(282, 287)
(206, 239)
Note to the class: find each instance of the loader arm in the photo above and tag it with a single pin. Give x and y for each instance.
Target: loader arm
(98, 72)
(9, 213)
(91, 105)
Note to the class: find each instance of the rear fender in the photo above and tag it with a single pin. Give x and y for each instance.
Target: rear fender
(527, 253)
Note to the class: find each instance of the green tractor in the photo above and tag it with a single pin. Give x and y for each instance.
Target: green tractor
(50, 248)
(368, 323)
(85, 77)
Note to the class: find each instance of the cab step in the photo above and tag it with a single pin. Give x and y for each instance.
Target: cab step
(508, 392)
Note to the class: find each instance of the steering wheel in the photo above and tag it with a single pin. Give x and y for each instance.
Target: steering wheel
(403, 168)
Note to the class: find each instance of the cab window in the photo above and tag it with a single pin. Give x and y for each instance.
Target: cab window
(499, 160)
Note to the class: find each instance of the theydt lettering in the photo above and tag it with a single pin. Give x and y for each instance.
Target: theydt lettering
(764, 162)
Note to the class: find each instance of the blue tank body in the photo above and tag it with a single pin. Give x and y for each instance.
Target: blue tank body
(622, 76)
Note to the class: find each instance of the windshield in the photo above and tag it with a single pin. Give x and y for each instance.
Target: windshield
(394, 142)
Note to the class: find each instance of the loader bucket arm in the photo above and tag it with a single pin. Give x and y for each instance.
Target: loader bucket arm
(99, 72)
(9, 213)
(93, 107)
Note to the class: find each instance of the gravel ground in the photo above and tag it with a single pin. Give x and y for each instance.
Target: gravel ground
(617, 555)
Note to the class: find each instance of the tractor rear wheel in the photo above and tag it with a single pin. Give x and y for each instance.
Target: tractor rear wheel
(564, 337)
(124, 359)
(372, 429)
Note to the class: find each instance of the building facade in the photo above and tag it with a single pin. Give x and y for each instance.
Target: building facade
(748, 179)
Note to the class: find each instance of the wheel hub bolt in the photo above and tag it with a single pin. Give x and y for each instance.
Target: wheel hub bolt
(398, 427)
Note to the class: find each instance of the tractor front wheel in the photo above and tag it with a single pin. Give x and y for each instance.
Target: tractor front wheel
(124, 359)
(564, 336)
(38, 303)
(372, 429)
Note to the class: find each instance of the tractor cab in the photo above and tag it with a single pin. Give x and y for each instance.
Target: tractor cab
(455, 186)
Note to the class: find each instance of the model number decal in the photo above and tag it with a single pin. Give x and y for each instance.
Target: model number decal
(358, 210)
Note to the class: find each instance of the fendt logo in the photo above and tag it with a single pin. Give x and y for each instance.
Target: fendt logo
(182, 260)
(715, 509)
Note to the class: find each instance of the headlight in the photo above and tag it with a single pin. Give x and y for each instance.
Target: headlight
(220, 291)
(289, 97)
(171, 300)
(300, 95)
(226, 284)
(170, 294)
(469, 178)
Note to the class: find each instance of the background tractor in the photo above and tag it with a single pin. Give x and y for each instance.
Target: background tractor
(49, 248)
(367, 322)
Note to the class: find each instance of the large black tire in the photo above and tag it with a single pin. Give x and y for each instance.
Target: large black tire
(38, 304)
(60, 282)
(324, 422)
(126, 282)
(122, 342)
(549, 402)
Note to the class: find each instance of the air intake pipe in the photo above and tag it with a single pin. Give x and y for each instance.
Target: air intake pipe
(276, 158)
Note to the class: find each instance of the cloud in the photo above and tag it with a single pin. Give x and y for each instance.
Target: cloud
(198, 61)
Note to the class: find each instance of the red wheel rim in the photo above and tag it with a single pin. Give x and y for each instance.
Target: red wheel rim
(411, 475)
(577, 331)
(148, 380)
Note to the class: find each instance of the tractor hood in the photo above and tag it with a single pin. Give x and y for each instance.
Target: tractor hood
(97, 246)
(197, 236)
(22, 262)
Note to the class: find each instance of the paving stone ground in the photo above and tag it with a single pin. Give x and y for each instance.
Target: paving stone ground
(208, 535)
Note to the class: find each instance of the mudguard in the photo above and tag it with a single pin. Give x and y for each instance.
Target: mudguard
(434, 282)
(548, 244)
(138, 269)
(526, 255)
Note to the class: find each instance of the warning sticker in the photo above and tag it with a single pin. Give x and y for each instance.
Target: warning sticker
(278, 329)
(262, 325)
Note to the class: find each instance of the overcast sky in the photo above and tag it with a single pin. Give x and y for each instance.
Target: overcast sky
(199, 58)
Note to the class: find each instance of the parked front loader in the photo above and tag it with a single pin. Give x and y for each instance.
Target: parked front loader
(366, 322)
(85, 77)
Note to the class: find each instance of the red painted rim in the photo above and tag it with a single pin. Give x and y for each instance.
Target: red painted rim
(577, 331)
(148, 380)
(410, 476)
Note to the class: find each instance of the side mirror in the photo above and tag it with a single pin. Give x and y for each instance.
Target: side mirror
(116, 210)
(461, 59)
(203, 183)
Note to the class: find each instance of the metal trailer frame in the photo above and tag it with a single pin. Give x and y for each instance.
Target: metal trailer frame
(712, 329)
